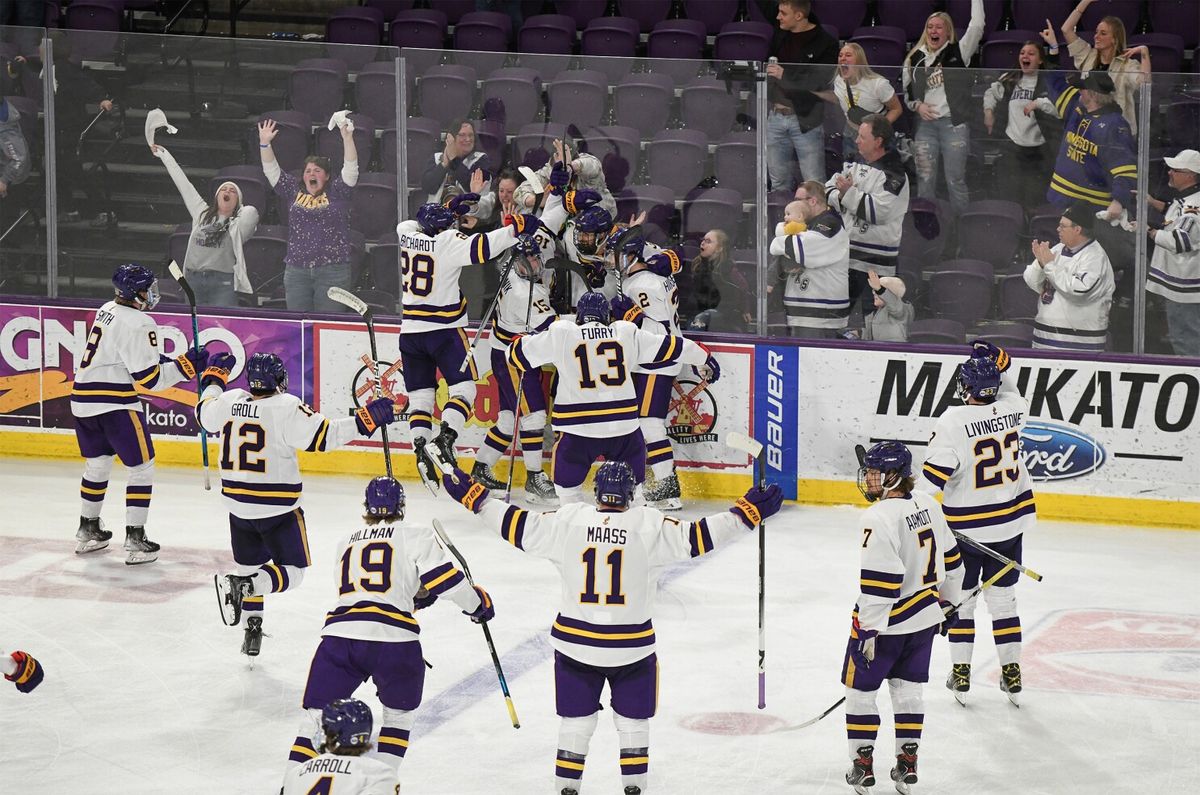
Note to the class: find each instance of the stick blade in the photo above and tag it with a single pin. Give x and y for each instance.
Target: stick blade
(860, 453)
(348, 299)
(747, 444)
(176, 271)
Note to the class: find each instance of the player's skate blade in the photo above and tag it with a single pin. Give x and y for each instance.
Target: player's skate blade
(861, 775)
(904, 774)
(959, 682)
(231, 590)
(665, 494)
(426, 468)
(92, 536)
(252, 642)
(483, 473)
(1010, 683)
(138, 548)
(539, 489)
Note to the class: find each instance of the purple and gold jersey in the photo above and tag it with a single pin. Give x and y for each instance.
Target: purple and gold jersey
(331, 774)
(609, 562)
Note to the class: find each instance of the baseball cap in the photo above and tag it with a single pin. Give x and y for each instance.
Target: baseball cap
(1187, 160)
(1083, 215)
(1093, 81)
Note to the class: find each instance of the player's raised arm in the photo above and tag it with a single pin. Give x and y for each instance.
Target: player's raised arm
(528, 531)
(678, 540)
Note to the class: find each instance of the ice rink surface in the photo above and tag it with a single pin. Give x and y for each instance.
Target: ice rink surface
(146, 691)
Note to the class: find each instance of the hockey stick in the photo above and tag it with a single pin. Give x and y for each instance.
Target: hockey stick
(353, 302)
(988, 583)
(487, 633)
(512, 452)
(491, 310)
(754, 448)
(991, 553)
(177, 273)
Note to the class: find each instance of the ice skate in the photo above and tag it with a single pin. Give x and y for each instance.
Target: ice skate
(426, 467)
(862, 771)
(231, 590)
(959, 682)
(483, 473)
(569, 791)
(139, 549)
(633, 791)
(444, 442)
(252, 642)
(665, 494)
(540, 489)
(1010, 682)
(91, 535)
(904, 774)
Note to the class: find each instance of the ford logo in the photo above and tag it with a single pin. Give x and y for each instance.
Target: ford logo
(1058, 452)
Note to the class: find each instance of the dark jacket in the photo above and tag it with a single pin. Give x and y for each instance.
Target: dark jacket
(799, 54)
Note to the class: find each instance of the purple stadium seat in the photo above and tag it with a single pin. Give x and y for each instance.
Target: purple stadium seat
(1005, 333)
(424, 139)
(708, 104)
(447, 92)
(1017, 301)
(381, 302)
(561, 22)
(177, 243)
(1032, 14)
(761, 28)
(375, 89)
(648, 13)
(581, 11)
(677, 159)
(643, 101)
(421, 44)
(547, 67)
(453, 9)
(657, 201)
(882, 51)
(256, 191)
(383, 263)
(329, 142)
(990, 230)
(735, 163)
(390, 8)
(1183, 119)
(494, 18)
(551, 40)
(264, 253)
(936, 331)
(741, 45)
(713, 208)
(578, 98)
(373, 204)
(533, 143)
(923, 238)
(619, 151)
(908, 15)
(1128, 11)
(616, 38)
(976, 266)
(675, 48)
(846, 15)
(1002, 48)
(515, 91)
(354, 25)
(993, 10)
(777, 200)
(482, 44)
(1177, 16)
(95, 27)
(713, 13)
(490, 139)
(317, 92)
(291, 144)
(960, 295)
(1166, 50)
(1043, 224)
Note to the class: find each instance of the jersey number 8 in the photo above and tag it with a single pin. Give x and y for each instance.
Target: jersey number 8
(418, 270)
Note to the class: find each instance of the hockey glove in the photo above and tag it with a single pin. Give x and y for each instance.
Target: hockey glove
(219, 368)
(464, 489)
(757, 504)
(423, 599)
(665, 263)
(525, 223)
(486, 610)
(710, 371)
(379, 411)
(560, 178)
(461, 204)
(28, 674)
(623, 308)
(595, 276)
(192, 361)
(982, 349)
(862, 646)
(576, 201)
(950, 612)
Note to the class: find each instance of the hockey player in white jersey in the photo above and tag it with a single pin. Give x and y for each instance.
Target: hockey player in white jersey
(974, 459)
(911, 574)
(387, 570)
(433, 254)
(261, 430)
(595, 410)
(609, 557)
(522, 307)
(650, 299)
(122, 356)
(342, 768)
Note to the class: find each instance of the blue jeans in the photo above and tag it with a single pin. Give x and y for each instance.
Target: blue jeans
(949, 142)
(305, 288)
(784, 138)
(1183, 328)
(212, 288)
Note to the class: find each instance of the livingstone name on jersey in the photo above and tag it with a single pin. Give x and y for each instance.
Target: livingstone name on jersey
(1056, 452)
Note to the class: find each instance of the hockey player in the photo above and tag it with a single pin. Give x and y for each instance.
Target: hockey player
(523, 307)
(609, 557)
(974, 458)
(816, 248)
(909, 562)
(346, 735)
(261, 430)
(433, 253)
(387, 570)
(650, 299)
(595, 407)
(121, 357)
(22, 669)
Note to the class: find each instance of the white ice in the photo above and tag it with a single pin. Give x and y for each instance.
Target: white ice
(146, 691)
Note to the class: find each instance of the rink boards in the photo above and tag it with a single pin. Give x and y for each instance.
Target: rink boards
(1113, 441)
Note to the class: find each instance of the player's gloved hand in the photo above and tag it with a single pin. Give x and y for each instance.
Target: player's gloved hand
(757, 504)
(192, 361)
(525, 223)
(710, 371)
(219, 368)
(423, 599)
(379, 411)
(595, 275)
(576, 201)
(464, 489)
(28, 674)
(862, 650)
(982, 349)
(624, 308)
(486, 610)
(665, 263)
(461, 204)
(560, 177)
(950, 612)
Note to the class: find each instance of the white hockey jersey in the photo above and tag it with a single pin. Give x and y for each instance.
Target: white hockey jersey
(520, 299)
(260, 472)
(380, 568)
(974, 458)
(431, 267)
(122, 350)
(817, 295)
(1175, 265)
(330, 774)
(909, 560)
(609, 562)
(658, 298)
(595, 394)
(1077, 292)
(873, 210)
(555, 217)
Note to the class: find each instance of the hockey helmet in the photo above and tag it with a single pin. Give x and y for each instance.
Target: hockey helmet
(614, 485)
(267, 374)
(592, 306)
(592, 228)
(131, 280)
(347, 724)
(434, 218)
(978, 379)
(626, 244)
(893, 462)
(527, 258)
(385, 497)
